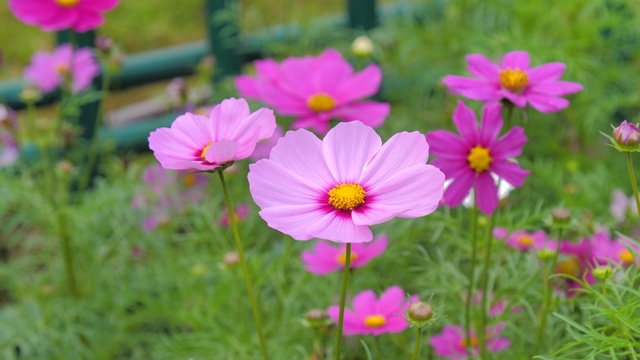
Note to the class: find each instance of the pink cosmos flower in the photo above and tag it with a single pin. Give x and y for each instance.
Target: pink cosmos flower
(578, 262)
(263, 148)
(620, 250)
(240, 212)
(471, 158)
(375, 316)
(316, 90)
(47, 71)
(451, 342)
(9, 150)
(336, 188)
(621, 206)
(203, 143)
(54, 15)
(515, 81)
(325, 258)
(524, 241)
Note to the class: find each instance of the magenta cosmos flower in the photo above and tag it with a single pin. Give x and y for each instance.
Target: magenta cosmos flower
(335, 188)
(49, 70)
(619, 251)
(469, 159)
(523, 240)
(451, 342)
(325, 258)
(316, 90)
(203, 143)
(54, 15)
(374, 316)
(515, 81)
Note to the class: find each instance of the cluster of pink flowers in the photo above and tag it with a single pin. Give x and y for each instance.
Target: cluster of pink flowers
(49, 71)
(452, 343)
(166, 194)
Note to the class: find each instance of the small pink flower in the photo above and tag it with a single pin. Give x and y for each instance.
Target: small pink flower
(9, 150)
(578, 262)
(375, 316)
(240, 212)
(202, 143)
(621, 206)
(54, 15)
(471, 158)
(524, 241)
(325, 258)
(452, 343)
(620, 251)
(48, 71)
(263, 148)
(316, 90)
(515, 81)
(336, 188)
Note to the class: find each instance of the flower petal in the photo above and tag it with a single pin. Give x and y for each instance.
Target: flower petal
(370, 113)
(510, 144)
(361, 85)
(475, 89)
(486, 193)
(547, 104)
(446, 144)
(480, 66)
(547, 72)
(465, 120)
(491, 124)
(459, 188)
(510, 171)
(338, 227)
(221, 152)
(555, 88)
(516, 59)
(347, 148)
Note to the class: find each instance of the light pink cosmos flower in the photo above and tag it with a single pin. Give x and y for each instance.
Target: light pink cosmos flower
(49, 70)
(515, 81)
(203, 143)
(451, 342)
(335, 188)
(263, 148)
(621, 206)
(54, 15)
(524, 241)
(374, 316)
(471, 158)
(325, 258)
(316, 90)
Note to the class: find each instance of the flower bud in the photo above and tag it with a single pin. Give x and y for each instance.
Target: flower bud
(317, 319)
(362, 46)
(420, 314)
(626, 137)
(104, 44)
(602, 272)
(231, 259)
(546, 254)
(561, 216)
(30, 94)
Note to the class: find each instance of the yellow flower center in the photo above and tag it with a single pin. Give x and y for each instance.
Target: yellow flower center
(346, 196)
(204, 151)
(67, 3)
(374, 321)
(626, 256)
(570, 267)
(321, 102)
(342, 257)
(189, 180)
(472, 339)
(61, 68)
(479, 159)
(525, 240)
(513, 80)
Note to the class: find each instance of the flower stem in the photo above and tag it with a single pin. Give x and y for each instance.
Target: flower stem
(343, 297)
(634, 184)
(472, 265)
(245, 269)
(416, 348)
(67, 252)
(548, 291)
(485, 293)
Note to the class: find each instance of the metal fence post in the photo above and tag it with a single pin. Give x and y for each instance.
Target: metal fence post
(224, 36)
(362, 14)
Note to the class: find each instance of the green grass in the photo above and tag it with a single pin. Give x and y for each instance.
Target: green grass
(179, 302)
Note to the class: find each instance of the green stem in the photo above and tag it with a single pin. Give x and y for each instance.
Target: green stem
(67, 252)
(343, 297)
(634, 184)
(245, 269)
(472, 265)
(482, 337)
(548, 291)
(416, 348)
(95, 140)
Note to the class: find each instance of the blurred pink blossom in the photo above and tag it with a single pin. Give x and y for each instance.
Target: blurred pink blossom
(452, 343)
(325, 258)
(50, 70)
(54, 15)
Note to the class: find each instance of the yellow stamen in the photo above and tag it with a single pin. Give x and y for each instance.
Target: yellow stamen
(342, 257)
(513, 79)
(204, 151)
(189, 180)
(321, 102)
(374, 321)
(525, 240)
(346, 196)
(61, 68)
(570, 267)
(472, 339)
(67, 3)
(626, 256)
(479, 159)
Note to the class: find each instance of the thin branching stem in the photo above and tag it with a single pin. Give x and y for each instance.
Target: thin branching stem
(343, 297)
(472, 265)
(485, 291)
(634, 184)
